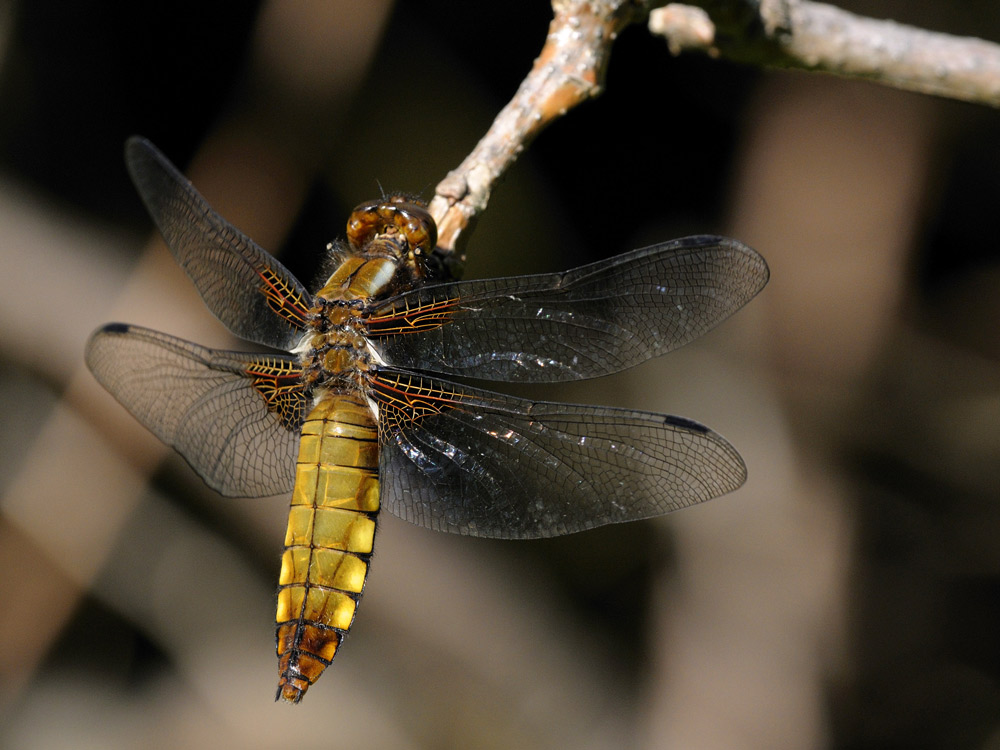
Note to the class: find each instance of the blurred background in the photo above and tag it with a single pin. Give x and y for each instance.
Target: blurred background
(847, 596)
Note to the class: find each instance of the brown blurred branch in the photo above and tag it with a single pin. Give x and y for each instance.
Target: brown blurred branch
(569, 70)
(819, 37)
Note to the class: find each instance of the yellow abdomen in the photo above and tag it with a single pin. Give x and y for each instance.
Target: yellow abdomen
(328, 546)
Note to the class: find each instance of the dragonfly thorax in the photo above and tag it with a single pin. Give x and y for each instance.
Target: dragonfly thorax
(334, 350)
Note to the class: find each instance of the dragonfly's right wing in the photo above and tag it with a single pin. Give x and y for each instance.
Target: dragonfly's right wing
(591, 321)
(464, 460)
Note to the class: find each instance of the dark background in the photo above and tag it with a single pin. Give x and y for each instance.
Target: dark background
(848, 596)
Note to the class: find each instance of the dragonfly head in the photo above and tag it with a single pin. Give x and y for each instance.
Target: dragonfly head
(400, 224)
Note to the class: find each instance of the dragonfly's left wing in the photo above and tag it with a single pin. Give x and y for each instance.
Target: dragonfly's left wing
(234, 417)
(246, 288)
(469, 461)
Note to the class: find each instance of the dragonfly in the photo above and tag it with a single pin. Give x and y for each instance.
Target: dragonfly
(357, 409)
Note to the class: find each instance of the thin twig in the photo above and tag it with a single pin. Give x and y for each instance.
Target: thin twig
(569, 70)
(819, 37)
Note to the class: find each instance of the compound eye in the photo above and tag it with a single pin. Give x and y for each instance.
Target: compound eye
(410, 220)
(364, 223)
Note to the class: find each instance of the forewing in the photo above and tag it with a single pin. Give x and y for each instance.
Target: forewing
(234, 417)
(473, 462)
(591, 321)
(246, 288)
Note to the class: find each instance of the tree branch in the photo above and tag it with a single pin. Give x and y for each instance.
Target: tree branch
(569, 70)
(819, 37)
(779, 33)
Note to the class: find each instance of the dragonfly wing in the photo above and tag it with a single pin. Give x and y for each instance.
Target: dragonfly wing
(246, 288)
(591, 321)
(473, 462)
(234, 417)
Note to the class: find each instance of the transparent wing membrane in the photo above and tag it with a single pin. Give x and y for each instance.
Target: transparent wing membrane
(234, 417)
(469, 461)
(246, 288)
(591, 321)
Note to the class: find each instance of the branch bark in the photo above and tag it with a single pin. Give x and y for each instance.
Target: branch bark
(817, 37)
(569, 70)
(796, 34)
